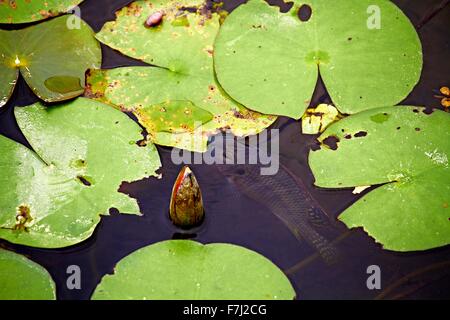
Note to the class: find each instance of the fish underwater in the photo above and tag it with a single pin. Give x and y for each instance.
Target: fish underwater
(285, 195)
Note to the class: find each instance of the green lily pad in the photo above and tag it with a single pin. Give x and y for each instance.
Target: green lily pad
(23, 279)
(51, 57)
(84, 150)
(22, 11)
(270, 61)
(181, 49)
(183, 269)
(406, 151)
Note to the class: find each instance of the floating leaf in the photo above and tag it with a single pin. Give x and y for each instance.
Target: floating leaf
(50, 56)
(54, 197)
(22, 11)
(23, 279)
(407, 152)
(183, 269)
(180, 47)
(317, 119)
(269, 61)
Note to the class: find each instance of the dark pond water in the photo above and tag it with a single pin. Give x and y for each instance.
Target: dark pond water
(237, 217)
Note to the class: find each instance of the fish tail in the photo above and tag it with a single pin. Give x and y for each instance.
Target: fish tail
(326, 250)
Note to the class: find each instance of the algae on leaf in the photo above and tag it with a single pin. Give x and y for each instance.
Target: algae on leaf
(404, 150)
(83, 151)
(51, 57)
(23, 279)
(270, 61)
(180, 48)
(184, 269)
(22, 11)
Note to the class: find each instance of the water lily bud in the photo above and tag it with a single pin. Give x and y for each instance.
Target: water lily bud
(186, 204)
(154, 19)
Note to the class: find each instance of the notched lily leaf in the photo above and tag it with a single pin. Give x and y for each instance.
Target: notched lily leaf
(180, 47)
(50, 56)
(316, 120)
(23, 279)
(404, 150)
(83, 151)
(192, 271)
(23, 11)
(270, 61)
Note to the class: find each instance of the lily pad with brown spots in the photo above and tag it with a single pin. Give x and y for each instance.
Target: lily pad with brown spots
(406, 152)
(23, 11)
(180, 48)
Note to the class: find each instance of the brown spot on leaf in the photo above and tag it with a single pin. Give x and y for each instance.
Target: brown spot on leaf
(85, 180)
(360, 134)
(304, 13)
(23, 217)
(238, 114)
(331, 142)
(142, 142)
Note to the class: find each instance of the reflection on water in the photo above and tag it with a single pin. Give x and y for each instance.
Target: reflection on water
(248, 214)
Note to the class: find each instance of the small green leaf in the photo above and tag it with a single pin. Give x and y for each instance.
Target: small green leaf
(54, 197)
(407, 152)
(22, 11)
(270, 61)
(183, 269)
(50, 56)
(23, 279)
(180, 47)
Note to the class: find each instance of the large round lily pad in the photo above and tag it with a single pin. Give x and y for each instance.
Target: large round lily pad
(23, 279)
(50, 56)
(181, 49)
(22, 11)
(84, 150)
(183, 269)
(406, 151)
(269, 61)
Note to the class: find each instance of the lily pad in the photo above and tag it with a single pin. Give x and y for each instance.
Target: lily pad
(181, 49)
(406, 152)
(22, 11)
(183, 269)
(84, 150)
(270, 61)
(50, 56)
(23, 279)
